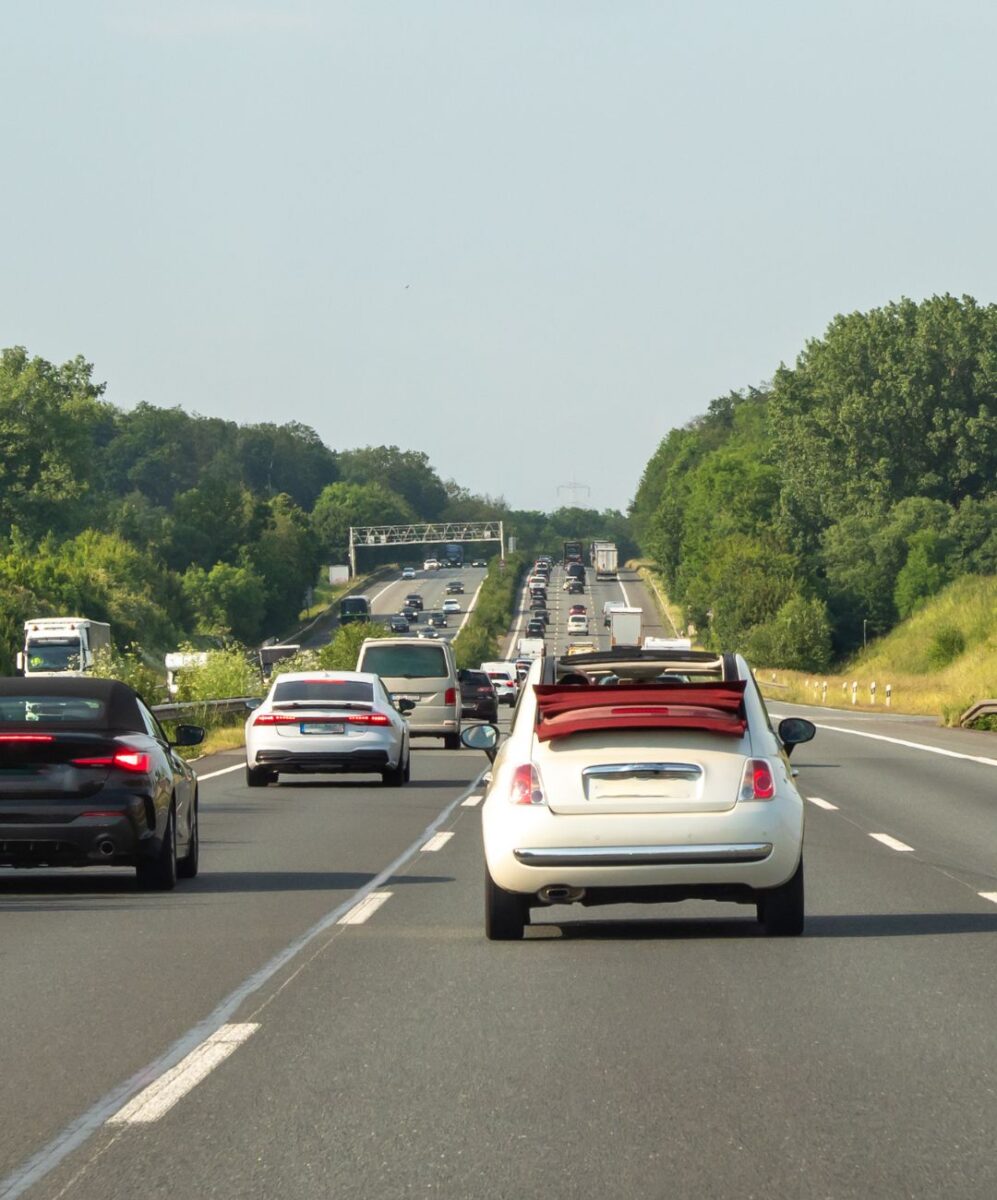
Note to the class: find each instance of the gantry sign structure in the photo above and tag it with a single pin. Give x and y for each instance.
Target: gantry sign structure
(412, 535)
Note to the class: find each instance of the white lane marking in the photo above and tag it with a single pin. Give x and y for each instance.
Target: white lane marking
(470, 607)
(365, 909)
(374, 599)
(436, 842)
(991, 896)
(823, 803)
(471, 802)
(626, 598)
(158, 1098)
(900, 847)
(81, 1128)
(223, 771)
(881, 737)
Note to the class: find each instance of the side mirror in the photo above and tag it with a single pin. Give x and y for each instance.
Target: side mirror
(404, 705)
(795, 730)
(253, 704)
(188, 735)
(481, 737)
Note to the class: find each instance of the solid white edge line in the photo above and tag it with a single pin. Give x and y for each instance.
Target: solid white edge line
(436, 842)
(892, 842)
(363, 911)
(823, 803)
(78, 1131)
(881, 737)
(991, 896)
(158, 1098)
(471, 802)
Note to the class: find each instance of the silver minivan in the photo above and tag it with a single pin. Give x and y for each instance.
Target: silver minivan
(421, 671)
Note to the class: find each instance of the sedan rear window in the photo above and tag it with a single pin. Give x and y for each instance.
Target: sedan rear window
(327, 691)
(408, 661)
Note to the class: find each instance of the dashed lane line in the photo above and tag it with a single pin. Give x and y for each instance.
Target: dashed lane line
(471, 802)
(223, 771)
(436, 842)
(881, 737)
(991, 896)
(823, 803)
(363, 911)
(892, 842)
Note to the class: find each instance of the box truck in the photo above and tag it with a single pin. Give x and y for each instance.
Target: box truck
(604, 558)
(62, 645)
(625, 626)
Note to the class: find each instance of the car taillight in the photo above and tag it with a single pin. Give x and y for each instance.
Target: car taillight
(450, 696)
(526, 786)
(371, 718)
(757, 782)
(26, 737)
(136, 761)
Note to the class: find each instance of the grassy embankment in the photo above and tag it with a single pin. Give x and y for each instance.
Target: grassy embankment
(938, 662)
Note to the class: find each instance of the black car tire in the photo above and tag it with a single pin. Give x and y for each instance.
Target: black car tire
(259, 776)
(506, 913)
(451, 741)
(781, 910)
(187, 866)
(159, 874)
(408, 765)
(394, 776)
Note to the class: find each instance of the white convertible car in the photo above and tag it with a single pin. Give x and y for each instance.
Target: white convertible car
(642, 776)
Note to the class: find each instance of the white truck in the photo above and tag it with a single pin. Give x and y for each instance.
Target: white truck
(530, 648)
(604, 558)
(182, 661)
(625, 626)
(62, 645)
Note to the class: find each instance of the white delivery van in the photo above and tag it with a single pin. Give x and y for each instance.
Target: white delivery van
(424, 672)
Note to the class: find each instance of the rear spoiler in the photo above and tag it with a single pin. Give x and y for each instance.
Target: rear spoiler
(563, 709)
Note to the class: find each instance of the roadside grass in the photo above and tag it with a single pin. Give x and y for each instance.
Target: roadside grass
(670, 613)
(325, 595)
(938, 662)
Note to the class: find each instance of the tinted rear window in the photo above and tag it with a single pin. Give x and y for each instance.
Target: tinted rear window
(327, 691)
(478, 678)
(53, 710)
(410, 661)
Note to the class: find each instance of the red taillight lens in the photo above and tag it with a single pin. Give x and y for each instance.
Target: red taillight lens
(526, 786)
(136, 761)
(450, 696)
(26, 737)
(367, 719)
(372, 718)
(757, 782)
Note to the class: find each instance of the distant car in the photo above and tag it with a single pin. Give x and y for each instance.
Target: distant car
(414, 600)
(427, 633)
(648, 789)
(575, 609)
(408, 572)
(540, 614)
(578, 624)
(536, 629)
(451, 606)
(437, 619)
(479, 562)
(89, 778)
(410, 614)
(431, 564)
(576, 588)
(327, 723)
(503, 679)
(398, 623)
(455, 588)
(477, 696)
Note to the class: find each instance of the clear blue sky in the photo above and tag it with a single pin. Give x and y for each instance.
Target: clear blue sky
(525, 236)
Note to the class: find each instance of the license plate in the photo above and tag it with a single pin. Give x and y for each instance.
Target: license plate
(321, 727)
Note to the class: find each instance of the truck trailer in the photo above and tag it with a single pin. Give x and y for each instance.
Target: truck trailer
(625, 626)
(62, 645)
(604, 559)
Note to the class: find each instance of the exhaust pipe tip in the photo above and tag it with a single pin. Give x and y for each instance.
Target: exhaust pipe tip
(106, 847)
(560, 893)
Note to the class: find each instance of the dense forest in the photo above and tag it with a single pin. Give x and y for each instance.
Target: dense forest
(177, 527)
(795, 519)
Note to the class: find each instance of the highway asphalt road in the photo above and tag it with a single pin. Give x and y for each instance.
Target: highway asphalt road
(633, 1052)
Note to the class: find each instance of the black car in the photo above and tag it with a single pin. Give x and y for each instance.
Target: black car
(399, 623)
(477, 696)
(88, 777)
(536, 629)
(414, 600)
(576, 588)
(410, 614)
(437, 619)
(540, 614)
(479, 562)
(455, 588)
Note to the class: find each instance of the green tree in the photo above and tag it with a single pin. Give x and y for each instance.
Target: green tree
(407, 473)
(343, 650)
(344, 504)
(797, 638)
(228, 599)
(924, 573)
(286, 557)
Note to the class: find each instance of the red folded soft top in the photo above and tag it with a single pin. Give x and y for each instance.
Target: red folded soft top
(576, 708)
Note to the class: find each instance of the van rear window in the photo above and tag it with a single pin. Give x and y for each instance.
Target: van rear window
(406, 662)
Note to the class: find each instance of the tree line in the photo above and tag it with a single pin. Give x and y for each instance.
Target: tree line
(795, 519)
(176, 527)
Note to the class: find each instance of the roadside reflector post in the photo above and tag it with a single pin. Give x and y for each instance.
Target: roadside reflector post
(889, 693)
(824, 691)
(855, 691)
(872, 691)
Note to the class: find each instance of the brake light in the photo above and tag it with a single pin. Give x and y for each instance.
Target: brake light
(136, 761)
(371, 718)
(526, 786)
(450, 696)
(26, 737)
(757, 782)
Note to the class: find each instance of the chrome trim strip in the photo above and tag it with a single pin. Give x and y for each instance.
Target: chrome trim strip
(640, 856)
(638, 770)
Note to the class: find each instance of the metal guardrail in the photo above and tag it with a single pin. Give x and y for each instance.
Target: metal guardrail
(235, 704)
(982, 708)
